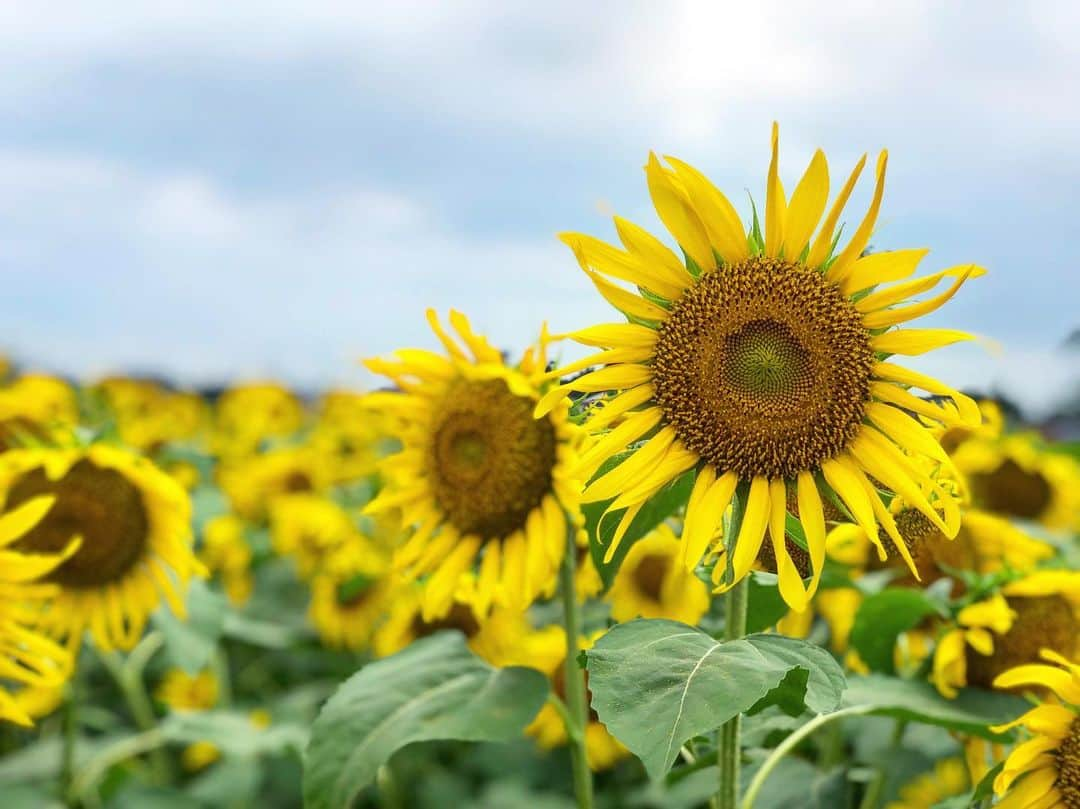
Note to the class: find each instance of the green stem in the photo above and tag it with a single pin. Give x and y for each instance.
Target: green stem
(70, 733)
(729, 752)
(876, 786)
(574, 678)
(788, 744)
(389, 792)
(96, 767)
(129, 678)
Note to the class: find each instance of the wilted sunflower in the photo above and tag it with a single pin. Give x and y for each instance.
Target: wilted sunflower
(1044, 772)
(1039, 610)
(478, 476)
(653, 583)
(762, 361)
(31, 663)
(133, 521)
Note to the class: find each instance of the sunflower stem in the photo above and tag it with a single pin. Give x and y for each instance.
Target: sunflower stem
(789, 744)
(70, 730)
(729, 751)
(576, 714)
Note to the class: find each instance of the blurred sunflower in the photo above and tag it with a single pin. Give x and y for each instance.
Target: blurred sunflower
(149, 415)
(226, 553)
(181, 691)
(1043, 772)
(133, 521)
(1040, 610)
(36, 409)
(990, 426)
(348, 437)
(247, 415)
(307, 528)
(545, 651)
(761, 362)
(350, 594)
(1018, 477)
(253, 482)
(948, 779)
(478, 476)
(653, 583)
(29, 663)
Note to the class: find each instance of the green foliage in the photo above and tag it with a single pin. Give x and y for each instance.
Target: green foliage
(657, 683)
(190, 644)
(434, 689)
(882, 617)
(765, 604)
(915, 700)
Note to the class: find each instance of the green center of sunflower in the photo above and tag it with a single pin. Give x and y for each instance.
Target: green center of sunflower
(649, 575)
(96, 503)
(764, 368)
(1067, 757)
(1011, 489)
(1042, 622)
(490, 460)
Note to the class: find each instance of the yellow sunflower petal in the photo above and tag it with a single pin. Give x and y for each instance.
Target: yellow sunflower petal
(775, 205)
(842, 266)
(789, 580)
(807, 205)
(615, 335)
(651, 251)
(912, 342)
(21, 519)
(882, 268)
(721, 220)
(752, 531)
(678, 217)
(892, 317)
(1062, 683)
(812, 517)
(823, 243)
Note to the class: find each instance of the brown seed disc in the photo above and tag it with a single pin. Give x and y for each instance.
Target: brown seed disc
(490, 461)
(1068, 766)
(1012, 490)
(764, 368)
(1042, 622)
(98, 504)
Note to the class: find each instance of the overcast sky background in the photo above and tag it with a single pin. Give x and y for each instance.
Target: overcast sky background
(216, 191)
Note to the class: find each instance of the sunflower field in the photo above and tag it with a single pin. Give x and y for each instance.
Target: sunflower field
(739, 555)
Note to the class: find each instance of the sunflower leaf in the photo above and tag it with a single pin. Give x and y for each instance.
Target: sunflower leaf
(657, 683)
(882, 617)
(434, 689)
(973, 710)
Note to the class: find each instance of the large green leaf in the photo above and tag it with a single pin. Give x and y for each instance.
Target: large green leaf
(814, 680)
(234, 733)
(189, 644)
(972, 711)
(601, 528)
(657, 683)
(882, 617)
(434, 689)
(765, 605)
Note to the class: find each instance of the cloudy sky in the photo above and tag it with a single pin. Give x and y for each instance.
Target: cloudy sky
(222, 190)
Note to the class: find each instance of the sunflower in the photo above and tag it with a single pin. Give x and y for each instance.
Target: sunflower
(247, 415)
(181, 691)
(253, 482)
(134, 524)
(545, 651)
(1018, 477)
(149, 415)
(990, 426)
(36, 409)
(29, 662)
(478, 476)
(948, 779)
(652, 582)
(348, 437)
(762, 363)
(1041, 609)
(502, 637)
(308, 527)
(350, 594)
(227, 555)
(1043, 772)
